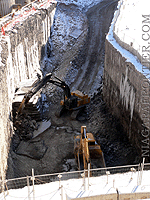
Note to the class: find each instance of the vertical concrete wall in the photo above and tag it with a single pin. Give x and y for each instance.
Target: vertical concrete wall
(126, 92)
(5, 6)
(22, 47)
(127, 81)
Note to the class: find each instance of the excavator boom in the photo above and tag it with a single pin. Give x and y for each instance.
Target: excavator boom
(36, 87)
(72, 101)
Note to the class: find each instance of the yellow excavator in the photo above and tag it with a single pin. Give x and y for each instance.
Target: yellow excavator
(72, 100)
(87, 151)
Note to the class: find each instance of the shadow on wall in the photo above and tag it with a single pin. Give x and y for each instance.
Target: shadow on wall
(23, 44)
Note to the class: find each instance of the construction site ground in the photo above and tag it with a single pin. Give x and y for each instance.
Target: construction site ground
(53, 150)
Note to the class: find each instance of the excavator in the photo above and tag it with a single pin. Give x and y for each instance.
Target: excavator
(72, 100)
(87, 151)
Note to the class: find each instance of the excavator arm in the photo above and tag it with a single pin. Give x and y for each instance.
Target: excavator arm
(36, 87)
(58, 82)
(39, 84)
(72, 100)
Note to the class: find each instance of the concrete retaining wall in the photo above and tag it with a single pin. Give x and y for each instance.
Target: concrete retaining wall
(22, 47)
(126, 92)
(127, 86)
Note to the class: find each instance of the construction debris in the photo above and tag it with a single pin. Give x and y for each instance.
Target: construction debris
(33, 106)
(24, 127)
(27, 121)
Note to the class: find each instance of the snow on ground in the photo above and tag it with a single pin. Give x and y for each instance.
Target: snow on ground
(8, 22)
(130, 57)
(126, 26)
(83, 4)
(24, 12)
(129, 22)
(133, 26)
(73, 188)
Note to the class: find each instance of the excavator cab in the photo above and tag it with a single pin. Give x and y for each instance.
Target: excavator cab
(76, 100)
(71, 103)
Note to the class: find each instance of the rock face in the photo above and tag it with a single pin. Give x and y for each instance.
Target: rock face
(22, 46)
(73, 40)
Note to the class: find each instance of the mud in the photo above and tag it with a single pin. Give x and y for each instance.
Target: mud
(59, 138)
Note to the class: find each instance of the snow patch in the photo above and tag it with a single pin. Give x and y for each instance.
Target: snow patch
(74, 188)
(128, 26)
(129, 56)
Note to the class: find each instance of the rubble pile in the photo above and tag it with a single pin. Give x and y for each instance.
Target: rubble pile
(25, 122)
(33, 110)
(23, 142)
(24, 126)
